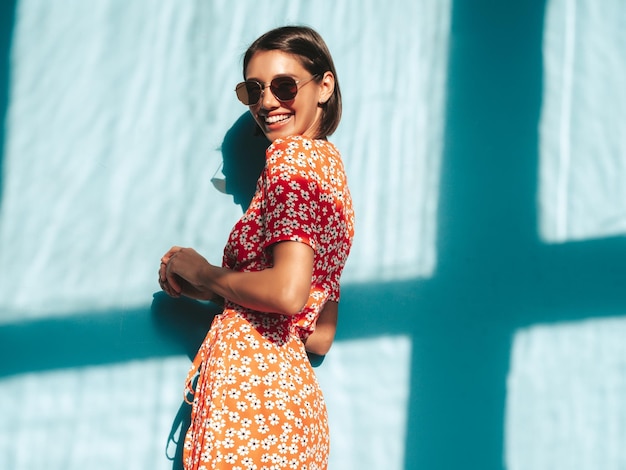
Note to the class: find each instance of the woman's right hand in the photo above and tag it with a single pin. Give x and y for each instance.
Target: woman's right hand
(180, 274)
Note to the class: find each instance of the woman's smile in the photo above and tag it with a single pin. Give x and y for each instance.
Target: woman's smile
(277, 119)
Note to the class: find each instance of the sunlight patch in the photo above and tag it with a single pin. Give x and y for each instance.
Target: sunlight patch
(565, 403)
(583, 143)
(96, 418)
(366, 387)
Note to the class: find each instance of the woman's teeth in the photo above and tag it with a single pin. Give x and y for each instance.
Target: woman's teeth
(277, 118)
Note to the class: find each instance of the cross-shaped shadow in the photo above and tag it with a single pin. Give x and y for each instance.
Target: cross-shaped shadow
(494, 275)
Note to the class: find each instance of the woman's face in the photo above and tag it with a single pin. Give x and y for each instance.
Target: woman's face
(300, 116)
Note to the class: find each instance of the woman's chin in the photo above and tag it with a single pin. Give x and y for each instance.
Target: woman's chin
(279, 129)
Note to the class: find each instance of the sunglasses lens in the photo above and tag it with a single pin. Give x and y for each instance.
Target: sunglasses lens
(249, 92)
(284, 88)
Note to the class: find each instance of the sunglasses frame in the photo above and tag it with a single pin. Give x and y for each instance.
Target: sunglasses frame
(263, 86)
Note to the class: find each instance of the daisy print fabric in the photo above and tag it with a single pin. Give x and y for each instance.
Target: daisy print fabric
(256, 404)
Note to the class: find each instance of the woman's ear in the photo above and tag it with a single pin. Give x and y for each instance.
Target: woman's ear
(327, 87)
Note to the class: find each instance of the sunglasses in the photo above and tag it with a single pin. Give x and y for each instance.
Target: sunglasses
(283, 88)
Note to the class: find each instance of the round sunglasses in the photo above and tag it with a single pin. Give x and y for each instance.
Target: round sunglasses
(283, 88)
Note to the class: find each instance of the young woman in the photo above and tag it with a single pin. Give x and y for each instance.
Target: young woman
(256, 401)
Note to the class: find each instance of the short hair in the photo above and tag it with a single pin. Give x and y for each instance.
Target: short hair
(310, 49)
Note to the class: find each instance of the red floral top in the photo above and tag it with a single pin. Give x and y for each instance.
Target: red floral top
(302, 195)
(257, 401)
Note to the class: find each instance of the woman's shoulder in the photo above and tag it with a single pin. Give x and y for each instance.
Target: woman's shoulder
(292, 142)
(299, 146)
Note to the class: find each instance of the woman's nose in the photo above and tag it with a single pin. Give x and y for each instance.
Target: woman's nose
(268, 100)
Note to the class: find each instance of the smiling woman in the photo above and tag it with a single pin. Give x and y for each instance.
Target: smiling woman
(256, 399)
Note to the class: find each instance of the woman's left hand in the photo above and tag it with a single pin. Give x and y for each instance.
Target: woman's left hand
(181, 271)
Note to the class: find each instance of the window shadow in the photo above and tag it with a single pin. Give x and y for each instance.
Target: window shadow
(494, 276)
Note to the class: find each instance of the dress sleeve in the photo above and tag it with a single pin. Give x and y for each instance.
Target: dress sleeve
(291, 189)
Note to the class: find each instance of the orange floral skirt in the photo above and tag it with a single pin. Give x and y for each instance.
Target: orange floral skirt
(256, 404)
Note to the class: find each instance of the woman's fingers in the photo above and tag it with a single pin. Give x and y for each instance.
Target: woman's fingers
(167, 256)
(174, 285)
(177, 272)
(166, 280)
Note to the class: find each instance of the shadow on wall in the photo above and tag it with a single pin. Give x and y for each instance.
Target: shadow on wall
(494, 276)
(243, 159)
(7, 19)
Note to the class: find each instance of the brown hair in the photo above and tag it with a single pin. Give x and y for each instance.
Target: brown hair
(311, 50)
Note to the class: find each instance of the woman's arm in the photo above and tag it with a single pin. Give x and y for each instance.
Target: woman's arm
(284, 288)
(320, 341)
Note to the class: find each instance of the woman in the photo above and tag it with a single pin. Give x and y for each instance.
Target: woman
(256, 401)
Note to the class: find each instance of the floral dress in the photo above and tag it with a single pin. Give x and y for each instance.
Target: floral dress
(256, 403)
